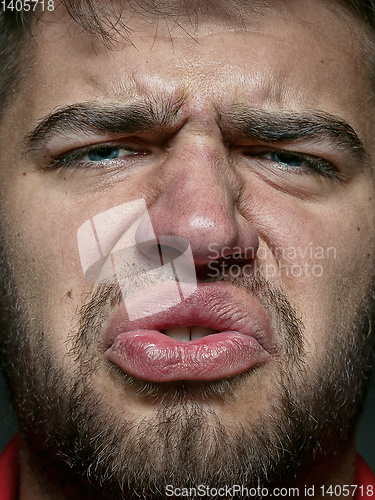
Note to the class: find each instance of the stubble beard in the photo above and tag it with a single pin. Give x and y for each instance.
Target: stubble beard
(84, 448)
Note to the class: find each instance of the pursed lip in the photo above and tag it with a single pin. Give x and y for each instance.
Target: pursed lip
(245, 339)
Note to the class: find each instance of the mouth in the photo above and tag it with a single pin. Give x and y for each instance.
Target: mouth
(216, 333)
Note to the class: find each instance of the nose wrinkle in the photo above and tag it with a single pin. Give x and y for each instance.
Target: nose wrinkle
(112, 250)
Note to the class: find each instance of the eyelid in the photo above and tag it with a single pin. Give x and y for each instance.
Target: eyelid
(302, 156)
(259, 150)
(60, 144)
(324, 150)
(292, 149)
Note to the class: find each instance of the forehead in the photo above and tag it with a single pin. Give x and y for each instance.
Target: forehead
(295, 55)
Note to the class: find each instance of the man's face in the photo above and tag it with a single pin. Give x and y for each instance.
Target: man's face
(248, 154)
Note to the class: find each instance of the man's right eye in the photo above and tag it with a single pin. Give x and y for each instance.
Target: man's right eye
(96, 156)
(108, 153)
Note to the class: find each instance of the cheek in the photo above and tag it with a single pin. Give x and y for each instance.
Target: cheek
(41, 246)
(321, 254)
(348, 273)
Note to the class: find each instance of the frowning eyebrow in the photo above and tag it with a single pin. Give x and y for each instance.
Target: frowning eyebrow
(248, 123)
(238, 122)
(86, 118)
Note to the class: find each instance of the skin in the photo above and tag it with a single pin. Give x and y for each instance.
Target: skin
(222, 194)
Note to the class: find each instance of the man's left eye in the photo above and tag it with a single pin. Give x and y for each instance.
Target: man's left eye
(298, 162)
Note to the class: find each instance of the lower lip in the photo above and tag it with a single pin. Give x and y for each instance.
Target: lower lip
(152, 356)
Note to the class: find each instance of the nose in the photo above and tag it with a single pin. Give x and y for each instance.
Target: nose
(200, 203)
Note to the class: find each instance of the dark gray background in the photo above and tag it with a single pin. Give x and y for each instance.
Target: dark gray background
(365, 433)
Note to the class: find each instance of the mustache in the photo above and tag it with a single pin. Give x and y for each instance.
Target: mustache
(100, 305)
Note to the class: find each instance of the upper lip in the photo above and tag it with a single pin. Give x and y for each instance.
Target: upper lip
(213, 305)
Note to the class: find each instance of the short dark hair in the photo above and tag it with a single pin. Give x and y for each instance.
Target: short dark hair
(100, 21)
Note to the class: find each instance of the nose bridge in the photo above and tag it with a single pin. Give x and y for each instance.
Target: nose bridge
(203, 180)
(200, 158)
(200, 181)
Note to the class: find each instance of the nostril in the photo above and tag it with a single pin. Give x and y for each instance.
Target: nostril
(164, 249)
(150, 249)
(169, 254)
(156, 252)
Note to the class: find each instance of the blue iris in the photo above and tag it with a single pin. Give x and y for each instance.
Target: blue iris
(290, 159)
(104, 153)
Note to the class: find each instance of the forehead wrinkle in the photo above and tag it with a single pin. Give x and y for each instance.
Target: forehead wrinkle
(129, 83)
(269, 88)
(135, 86)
